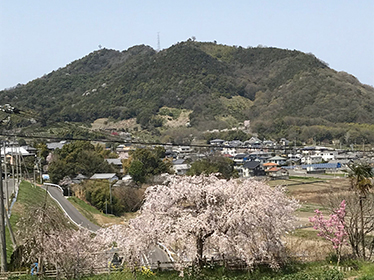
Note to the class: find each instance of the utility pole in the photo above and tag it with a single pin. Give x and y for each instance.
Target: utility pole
(6, 180)
(2, 221)
(13, 176)
(40, 171)
(19, 172)
(110, 198)
(16, 155)
(20, 159)
(35, 166)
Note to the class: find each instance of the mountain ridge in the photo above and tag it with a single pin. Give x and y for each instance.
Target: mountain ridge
(286, 88)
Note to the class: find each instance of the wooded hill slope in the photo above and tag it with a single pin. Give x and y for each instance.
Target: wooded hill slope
(280, 91)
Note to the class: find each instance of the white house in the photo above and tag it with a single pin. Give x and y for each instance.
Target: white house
(179, 167)
(229, 151)
(278, 160)
(318, 154)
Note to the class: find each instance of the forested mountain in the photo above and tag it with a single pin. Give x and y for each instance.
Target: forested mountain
(282, 92)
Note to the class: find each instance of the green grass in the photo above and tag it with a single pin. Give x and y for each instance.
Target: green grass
(293, 180)
(310, 208)
(337, 175)
(365, 271)
(29, 197)
(290, 272)
(96, 216)
(85, 209)
(300, 272)
(316, 272)
(306, 234)
(301, 178)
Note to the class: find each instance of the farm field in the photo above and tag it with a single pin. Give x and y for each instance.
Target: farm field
(312, 193)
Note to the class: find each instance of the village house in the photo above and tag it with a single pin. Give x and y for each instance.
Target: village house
(55, 145)
(269, 165)
(318, 154)
(217, 142)
(104, 176)
(116, 162)
(251, 169)
(123, 151)
(240, 158)
(260, 156)
(277, 173)
(229, 151)
(180, 167)
(278, 160)
(79, 179)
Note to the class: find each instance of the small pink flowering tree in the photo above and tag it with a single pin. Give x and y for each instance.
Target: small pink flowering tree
(332, 229)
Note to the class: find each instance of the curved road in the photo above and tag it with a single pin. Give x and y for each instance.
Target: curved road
(69, 209)
(55, 192)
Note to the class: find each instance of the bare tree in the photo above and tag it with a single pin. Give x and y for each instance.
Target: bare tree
(361, 175)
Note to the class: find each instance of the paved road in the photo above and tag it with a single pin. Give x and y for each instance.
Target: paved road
(70, 210)
(159, 255)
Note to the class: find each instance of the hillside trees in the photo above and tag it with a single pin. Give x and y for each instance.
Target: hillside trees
(273, 84)
(97, 193)
(77, 157)
(214, 164)
(205, 216)
(145, 163)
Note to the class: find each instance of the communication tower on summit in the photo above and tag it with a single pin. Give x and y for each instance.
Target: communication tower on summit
(158, 42)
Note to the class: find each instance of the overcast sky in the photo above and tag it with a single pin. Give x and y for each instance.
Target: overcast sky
(39, 36)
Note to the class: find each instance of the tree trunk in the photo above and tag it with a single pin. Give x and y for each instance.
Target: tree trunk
(338, 253)
(199, 251)
(200, 240)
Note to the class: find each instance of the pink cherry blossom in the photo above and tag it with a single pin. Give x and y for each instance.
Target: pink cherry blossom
(332, 229)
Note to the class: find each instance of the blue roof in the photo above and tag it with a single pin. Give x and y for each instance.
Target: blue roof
(317, 166)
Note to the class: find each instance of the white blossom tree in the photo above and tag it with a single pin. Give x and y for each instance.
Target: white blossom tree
(203, 216)
(75, 252)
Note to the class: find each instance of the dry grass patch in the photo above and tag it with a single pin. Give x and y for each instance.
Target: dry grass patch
(104, 123)
(307, 246)
(181, 121)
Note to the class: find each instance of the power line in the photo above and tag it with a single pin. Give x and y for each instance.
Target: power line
(122, 141)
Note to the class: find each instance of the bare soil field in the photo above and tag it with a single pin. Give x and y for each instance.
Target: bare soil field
(317, 190)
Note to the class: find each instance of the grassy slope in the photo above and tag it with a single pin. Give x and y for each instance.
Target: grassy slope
(92, 214)
(29, 196)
